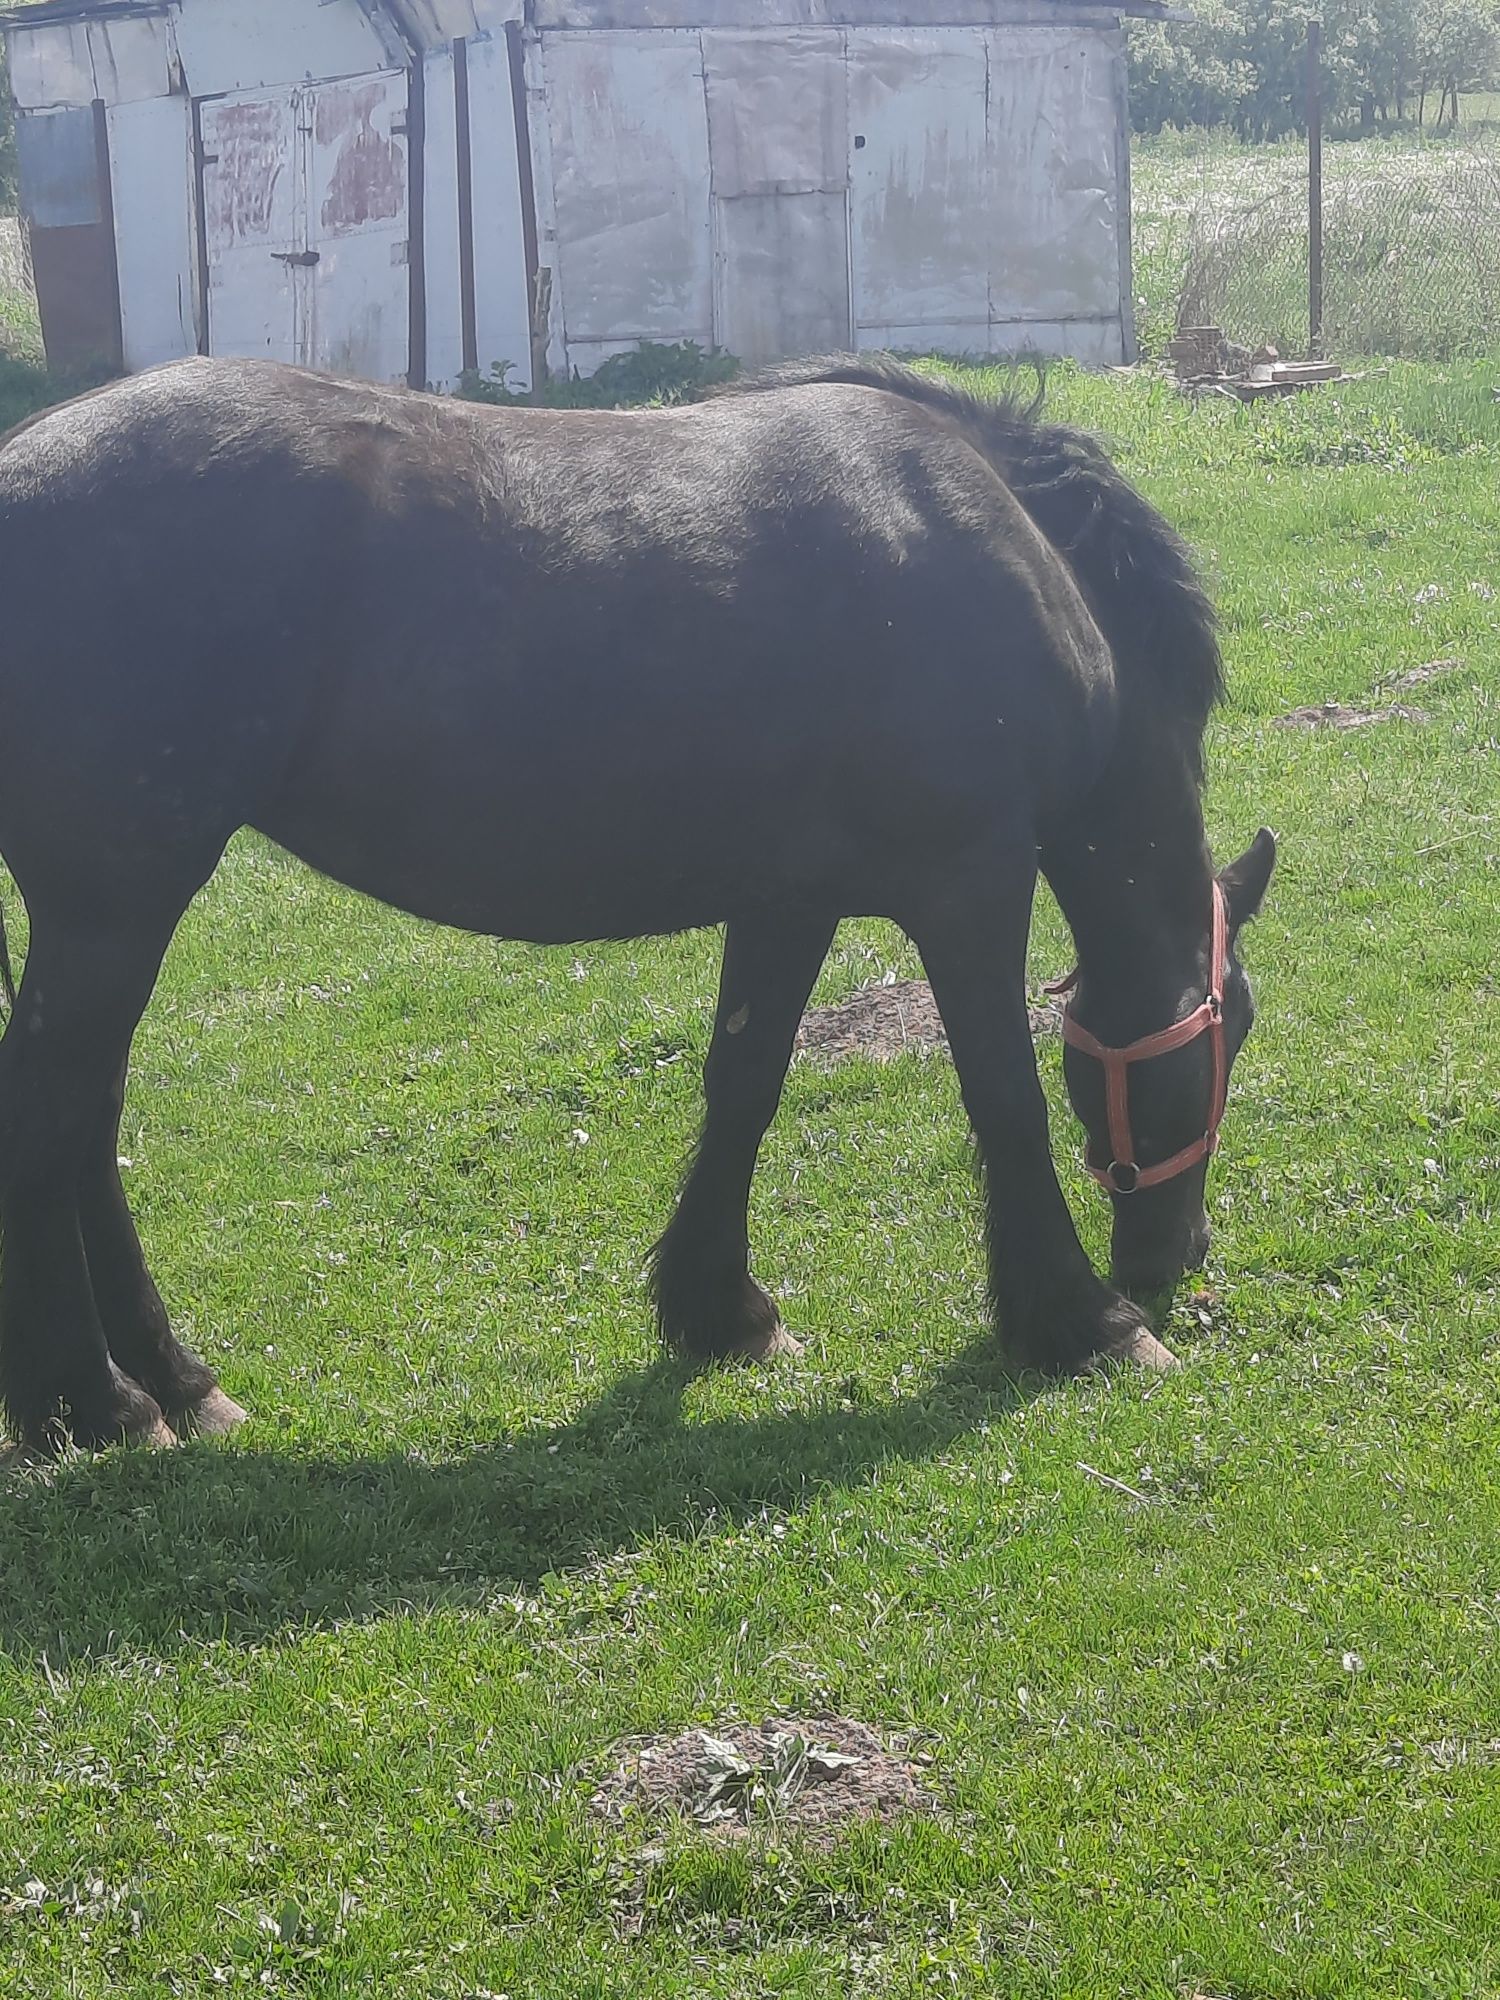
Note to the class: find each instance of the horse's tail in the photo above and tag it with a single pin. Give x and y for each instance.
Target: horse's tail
(1136, 573)
(7, 975)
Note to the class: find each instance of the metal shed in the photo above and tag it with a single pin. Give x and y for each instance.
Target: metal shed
(404, 189)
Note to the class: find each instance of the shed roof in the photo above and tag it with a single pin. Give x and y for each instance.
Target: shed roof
(424, 23)
(834, 13)
(420, 23)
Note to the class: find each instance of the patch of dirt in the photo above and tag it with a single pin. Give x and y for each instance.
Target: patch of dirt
(885, 1021)
(816, 1774)
(1334, 715)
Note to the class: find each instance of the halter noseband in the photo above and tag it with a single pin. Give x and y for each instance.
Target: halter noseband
(1122, 1175)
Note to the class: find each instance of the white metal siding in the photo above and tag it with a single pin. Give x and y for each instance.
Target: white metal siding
(445, 342)
(920, 182)
(630, 172)
(502, 312)
(151, 171)
(1054, 176)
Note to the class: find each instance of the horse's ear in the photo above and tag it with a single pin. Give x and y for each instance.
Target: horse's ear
(1245, 881)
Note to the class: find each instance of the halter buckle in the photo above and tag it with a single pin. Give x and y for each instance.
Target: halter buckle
(1113, 1176)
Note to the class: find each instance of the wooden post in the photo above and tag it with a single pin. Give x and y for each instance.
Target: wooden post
(1314, 190)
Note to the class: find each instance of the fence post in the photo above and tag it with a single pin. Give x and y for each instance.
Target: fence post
(1314, 190)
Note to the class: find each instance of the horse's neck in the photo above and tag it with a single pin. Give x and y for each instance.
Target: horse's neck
(1132, 874)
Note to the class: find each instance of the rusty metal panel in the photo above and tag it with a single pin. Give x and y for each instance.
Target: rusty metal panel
(65, 200)
(1053, 220)
(783, 262)
(778, 118)
(630, 169)
(359, 321)
(920, 186)
(151, 171)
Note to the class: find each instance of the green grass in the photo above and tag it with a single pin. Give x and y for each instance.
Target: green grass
(1411, 225)
(314, 1714)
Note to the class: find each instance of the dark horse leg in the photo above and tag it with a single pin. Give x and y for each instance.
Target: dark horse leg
(136, 1326)
(87, 980)
(1051, 1308)
(707, 1303)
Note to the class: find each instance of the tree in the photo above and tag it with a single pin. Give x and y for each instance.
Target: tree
(1242, 62)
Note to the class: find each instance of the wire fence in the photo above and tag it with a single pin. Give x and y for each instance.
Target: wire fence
(1411, 251)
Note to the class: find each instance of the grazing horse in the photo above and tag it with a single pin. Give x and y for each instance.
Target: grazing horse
(843, 641)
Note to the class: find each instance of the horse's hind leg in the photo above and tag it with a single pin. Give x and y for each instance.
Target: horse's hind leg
(135, 1322)
(707, 1303)
(86, 983)
(1052, 1309)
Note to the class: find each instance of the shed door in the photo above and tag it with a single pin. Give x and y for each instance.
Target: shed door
(305, 214)
(255, 226)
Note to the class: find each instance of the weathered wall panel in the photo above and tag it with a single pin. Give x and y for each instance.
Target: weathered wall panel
(1053, 217)
(116, 62)
(359, 295)
(254, 225)
(502, 314)
(445, 341)
(630, 166)
(57, 155)
(920, 184)
(255, 46)
(783, 275)
(63, 198)
(778, 117)
(151, 170)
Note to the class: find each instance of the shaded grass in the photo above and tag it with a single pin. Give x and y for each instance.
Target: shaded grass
(315, 1713)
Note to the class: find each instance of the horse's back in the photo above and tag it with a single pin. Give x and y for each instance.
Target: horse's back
(394, 630)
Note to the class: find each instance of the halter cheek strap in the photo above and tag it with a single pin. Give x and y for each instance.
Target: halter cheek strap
(1123, 1175)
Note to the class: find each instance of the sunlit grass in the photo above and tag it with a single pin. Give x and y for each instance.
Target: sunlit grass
(315, 1714)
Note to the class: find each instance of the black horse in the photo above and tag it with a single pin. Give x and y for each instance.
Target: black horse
(844, 642)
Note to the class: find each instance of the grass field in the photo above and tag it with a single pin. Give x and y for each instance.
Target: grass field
(1411, 239)
(319, 1713)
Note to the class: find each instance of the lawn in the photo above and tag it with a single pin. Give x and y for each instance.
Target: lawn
(320, 1712)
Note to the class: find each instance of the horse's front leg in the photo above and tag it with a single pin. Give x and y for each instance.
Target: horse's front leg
(1051, 1308)
(707, 1303)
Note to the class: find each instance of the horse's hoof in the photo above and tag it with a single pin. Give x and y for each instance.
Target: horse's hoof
(213, 1415)
(1142, 1347)
(777, 1345)
(157, 1435)
(766, 1344)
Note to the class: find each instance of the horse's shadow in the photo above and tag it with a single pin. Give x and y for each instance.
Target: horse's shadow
(151, 1552)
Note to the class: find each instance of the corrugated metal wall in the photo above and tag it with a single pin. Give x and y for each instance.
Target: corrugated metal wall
(343, 183)
(796, 190)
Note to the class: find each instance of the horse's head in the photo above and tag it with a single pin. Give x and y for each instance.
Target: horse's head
(1151, 1107)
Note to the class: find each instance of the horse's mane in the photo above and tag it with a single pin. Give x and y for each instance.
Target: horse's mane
(1136, 573)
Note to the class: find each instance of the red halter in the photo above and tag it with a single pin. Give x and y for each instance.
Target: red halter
(1122, 1175)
